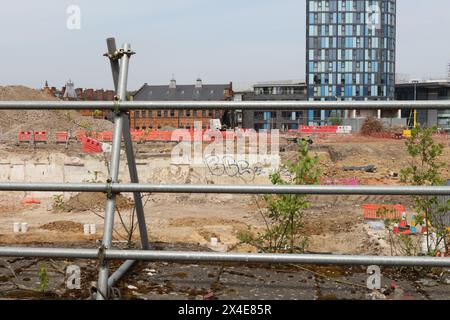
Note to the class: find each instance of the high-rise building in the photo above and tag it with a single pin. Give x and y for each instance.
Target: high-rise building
(448, 70)
(350, 50)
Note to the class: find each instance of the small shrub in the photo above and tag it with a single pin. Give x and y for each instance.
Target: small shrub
(97, 114)
(372, 126)
(335, 121)
(43, 279)
(284, 214)
(58, 203)
(426, 168)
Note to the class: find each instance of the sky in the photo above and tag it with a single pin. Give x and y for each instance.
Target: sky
(221, 41)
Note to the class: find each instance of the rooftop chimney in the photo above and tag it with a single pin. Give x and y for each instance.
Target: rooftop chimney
(198, 83)
(173, 84)
(69, 93)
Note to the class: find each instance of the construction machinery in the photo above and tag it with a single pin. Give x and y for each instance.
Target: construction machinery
(412, 123)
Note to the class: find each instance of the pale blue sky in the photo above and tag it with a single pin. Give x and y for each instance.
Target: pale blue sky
(218, 40)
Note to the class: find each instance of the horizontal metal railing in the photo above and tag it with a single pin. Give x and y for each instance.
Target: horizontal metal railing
(227, 189)
(224, 105)
(175, 256)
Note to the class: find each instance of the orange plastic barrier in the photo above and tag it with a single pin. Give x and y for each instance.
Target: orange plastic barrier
(137, 135)
(25, 136)
(91, 146)
(376, 212)
(80, 135)
(106, 136)
(61, 136)
(40, 136)
(165, 136)
(315, 129)
(30, 201)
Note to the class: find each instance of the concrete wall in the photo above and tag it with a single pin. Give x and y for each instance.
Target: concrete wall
(59, 168)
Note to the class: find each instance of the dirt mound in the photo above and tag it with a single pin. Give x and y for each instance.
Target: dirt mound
(21, 93)
(95, 201)
(202, 222)
(63, 226)
(13, 121)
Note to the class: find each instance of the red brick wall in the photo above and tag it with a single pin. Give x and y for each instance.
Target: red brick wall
(97, 95)
(146, 119)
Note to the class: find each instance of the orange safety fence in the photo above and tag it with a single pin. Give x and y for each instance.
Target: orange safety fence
(61, 136)
(105, 136)
(206, 135)
(40, 136)
(316, 129)
(25, 136)
(376, 212)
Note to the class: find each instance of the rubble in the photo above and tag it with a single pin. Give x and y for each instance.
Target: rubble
(14, 121)
(63, 226)
(427, 282)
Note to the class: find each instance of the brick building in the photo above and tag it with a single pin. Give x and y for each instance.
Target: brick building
(158, 119)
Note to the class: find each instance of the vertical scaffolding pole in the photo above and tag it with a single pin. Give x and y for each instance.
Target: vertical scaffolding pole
(134, 178)
(103, 288)
(118, 274)
(115, 67)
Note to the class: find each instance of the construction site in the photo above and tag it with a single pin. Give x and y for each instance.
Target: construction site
(221, 159)
(66, 147)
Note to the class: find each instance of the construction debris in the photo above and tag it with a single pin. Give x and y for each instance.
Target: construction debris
(63, 226)
(369, 168)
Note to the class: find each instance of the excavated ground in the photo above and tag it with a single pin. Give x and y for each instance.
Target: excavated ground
(334, 225)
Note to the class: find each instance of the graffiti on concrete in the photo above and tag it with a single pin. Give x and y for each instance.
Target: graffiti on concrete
(227, 165)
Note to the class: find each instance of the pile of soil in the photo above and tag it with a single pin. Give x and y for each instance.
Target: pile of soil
(63, 226)
(13, 121)
(95, 201)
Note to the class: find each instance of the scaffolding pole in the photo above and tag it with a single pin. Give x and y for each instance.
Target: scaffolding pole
(131, 163)
(228, 189)
(103, 288)
(175, 256)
